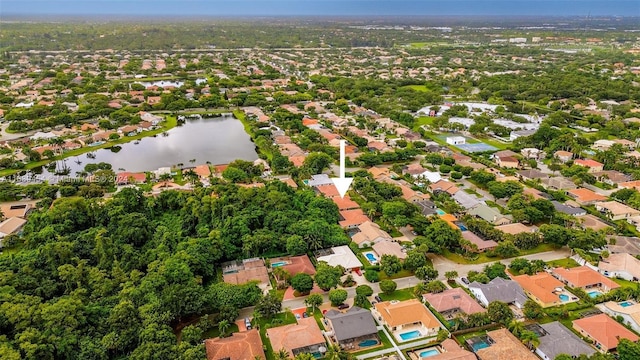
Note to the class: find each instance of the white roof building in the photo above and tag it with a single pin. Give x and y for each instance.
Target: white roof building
(341, 256)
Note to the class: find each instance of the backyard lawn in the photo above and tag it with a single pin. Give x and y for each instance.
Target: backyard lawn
(626, 283)
(401, 294)
(483, 258)
(565, 263)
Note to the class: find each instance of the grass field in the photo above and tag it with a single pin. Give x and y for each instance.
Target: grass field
(483, 258)
(565, 263)
(626, 283)
(402, 294)
(423, 120)
(416, 88)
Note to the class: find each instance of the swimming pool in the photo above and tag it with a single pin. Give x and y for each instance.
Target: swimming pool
(410, 335)
(369, 342)
(278, 264)
(594, 294)
(564, 297)
(428, 353)
(626, 303)
(440, 212)
(371, 257)
(461, 226)
(479, 345)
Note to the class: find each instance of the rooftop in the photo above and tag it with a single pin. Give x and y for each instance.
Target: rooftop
(343, 256)
(238, 346)
(557, 339)
(621, 262)
(584, 276)
(604, 330)
(541, 285)
(406, 312)
(386, 247)
(505, 346)
(353, 323)
(294, 336)
(452, 299)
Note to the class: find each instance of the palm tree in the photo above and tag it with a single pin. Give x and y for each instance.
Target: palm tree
(530, 339)
(516, 328)
(223, 326)
(282, 354)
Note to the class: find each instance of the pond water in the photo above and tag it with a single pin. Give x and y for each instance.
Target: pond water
(217, 140)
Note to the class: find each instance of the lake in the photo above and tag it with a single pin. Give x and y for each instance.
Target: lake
(217, 140)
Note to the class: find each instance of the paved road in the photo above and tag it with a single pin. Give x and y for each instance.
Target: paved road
(441, 263)
(5, 136)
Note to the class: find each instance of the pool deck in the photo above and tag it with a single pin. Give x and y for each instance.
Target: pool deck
(396, 334)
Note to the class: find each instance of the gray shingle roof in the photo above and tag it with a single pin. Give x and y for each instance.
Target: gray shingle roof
(560, 340)
(569, 210)
(499, 289)
(354, 323)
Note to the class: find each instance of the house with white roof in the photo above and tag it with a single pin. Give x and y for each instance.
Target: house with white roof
(340, 256)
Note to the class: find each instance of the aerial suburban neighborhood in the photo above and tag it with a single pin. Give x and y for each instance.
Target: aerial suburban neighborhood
(171, 190)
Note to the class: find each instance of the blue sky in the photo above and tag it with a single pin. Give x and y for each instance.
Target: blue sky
(321, 7)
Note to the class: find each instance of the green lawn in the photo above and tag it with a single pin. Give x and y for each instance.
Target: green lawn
(400, 294)
(565, 263)
(483, 258)
(422, 120)
(214, 331)
(626, 283)
(421, 88)
(401, 274)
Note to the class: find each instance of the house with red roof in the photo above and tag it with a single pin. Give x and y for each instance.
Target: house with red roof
(593, 165)
(603, 331)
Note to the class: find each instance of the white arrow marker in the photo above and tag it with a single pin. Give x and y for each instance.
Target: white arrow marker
(342, 183)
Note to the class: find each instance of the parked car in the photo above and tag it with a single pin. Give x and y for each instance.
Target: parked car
(247, 323)
(305, 315)
(378, 298)
(464, 280)
(343, 306)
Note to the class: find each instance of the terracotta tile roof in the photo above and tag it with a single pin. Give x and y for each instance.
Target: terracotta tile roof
(239, 346)
(452, 351)
(588, 163)
(585, 196)
(584, 276)
(297, 160)
(379, 171)
(352, 218)
(294, 336)
(387, 247)
(296, 264)
(245, 271)
(454, 299)
(345, 203)
(604, 330)
(290, 182)
(476, 240)
(15, 209)
(203, 171)
(541, 285)
(505, 347)
(328, 190)
(406, 312)
(126, 177)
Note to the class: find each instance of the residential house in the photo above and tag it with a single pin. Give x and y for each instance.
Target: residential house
(615, 210)
(556, 339)
(558, 183)
(593, 165)
(585, 196)
(246, 345)
(611, 177)
(467, 200)
(406, 315)
(563, 156)
(629, 310)
(452, 302)
(602, 144)
(344, 203)
(304, 337)
(520, 133)
(244, 271)
(443, 186)
(620, 265)
(125, 177)
(368, 234)
(635, 184)
(542, 288)
(353, 218)
(388, 247)
(10, 226)
(624, 244)
(340, 256)
(585, 278)
(532, 153)
(408, 193)
(532, 175)
(603, 331)
(498, 289)
(17, 209)
(294, 264)
(569, 210)
(510, 162)
(319, 179)
(203, 171)
(502, 345)
(481, 245)
(351, 328)
(490, 214)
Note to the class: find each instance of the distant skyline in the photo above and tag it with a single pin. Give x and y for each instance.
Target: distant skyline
(320, 7)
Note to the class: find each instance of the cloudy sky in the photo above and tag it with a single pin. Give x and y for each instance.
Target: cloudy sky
(321, 7)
